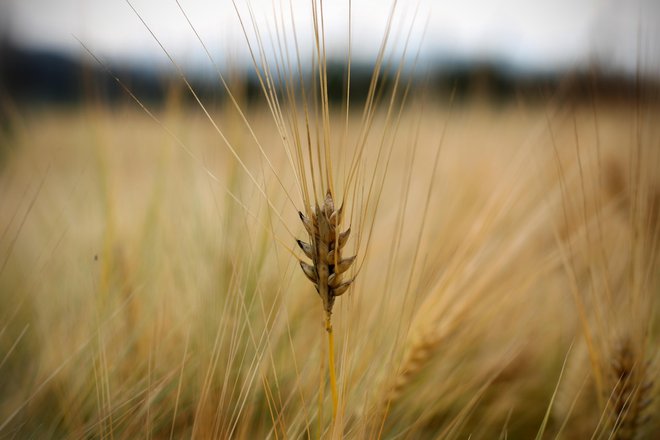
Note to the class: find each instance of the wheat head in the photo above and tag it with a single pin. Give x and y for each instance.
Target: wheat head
(324, 249)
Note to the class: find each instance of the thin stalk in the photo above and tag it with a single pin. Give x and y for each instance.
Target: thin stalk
(321, 396)
(331, 366)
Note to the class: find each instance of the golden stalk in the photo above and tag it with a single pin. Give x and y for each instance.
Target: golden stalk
(324, 250)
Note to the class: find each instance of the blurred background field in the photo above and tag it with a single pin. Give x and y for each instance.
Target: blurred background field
(140, 298)
(149, 289)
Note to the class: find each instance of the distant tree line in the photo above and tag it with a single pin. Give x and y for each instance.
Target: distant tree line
(41, 76)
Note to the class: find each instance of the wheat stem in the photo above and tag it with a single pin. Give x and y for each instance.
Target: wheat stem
(321, 396)
(331, 366)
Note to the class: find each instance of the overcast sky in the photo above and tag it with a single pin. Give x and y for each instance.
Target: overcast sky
(536, 35)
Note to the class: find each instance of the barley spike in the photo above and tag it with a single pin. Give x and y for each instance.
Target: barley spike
(324, 250)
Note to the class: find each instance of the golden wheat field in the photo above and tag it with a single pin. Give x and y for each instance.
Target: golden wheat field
(501, 290)
(399, 263)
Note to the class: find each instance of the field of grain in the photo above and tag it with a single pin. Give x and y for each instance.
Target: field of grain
(506, 283)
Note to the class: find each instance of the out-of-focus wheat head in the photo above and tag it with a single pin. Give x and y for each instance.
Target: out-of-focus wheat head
(631, 386)
(609, 234)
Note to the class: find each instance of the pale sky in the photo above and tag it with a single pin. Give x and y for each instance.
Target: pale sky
(537, 35)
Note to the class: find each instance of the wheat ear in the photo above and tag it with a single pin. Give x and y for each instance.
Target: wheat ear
(324, 250)
(631, 392)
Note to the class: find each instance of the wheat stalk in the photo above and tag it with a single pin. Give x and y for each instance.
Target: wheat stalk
(324, 250)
